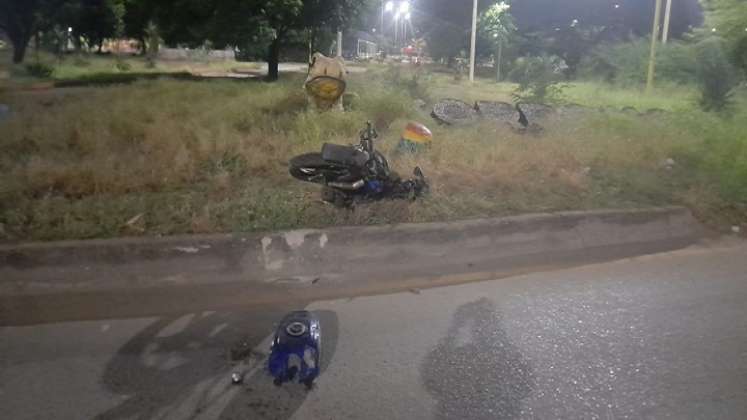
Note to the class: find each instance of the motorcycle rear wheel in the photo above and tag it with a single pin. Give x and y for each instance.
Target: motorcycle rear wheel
(308, 161)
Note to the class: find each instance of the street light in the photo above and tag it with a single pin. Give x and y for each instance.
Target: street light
(473, 37)
(407, 16)
(389, 6)
(404, 7)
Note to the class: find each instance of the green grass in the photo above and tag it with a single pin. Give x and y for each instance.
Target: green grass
(171, 156)
(667, 97)
(590, 94)
(86, 69)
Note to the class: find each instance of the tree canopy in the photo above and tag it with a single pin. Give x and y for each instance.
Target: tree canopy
(192, 23)
(729, 19)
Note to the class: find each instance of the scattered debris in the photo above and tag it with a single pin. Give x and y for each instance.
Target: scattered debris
(524, 125)
(499, 111)
(668, 164)
(520, 117)
(134, 220)
(187, 249)
(414, 137)
(240, 350)
(237, 378)
(535, 111)
(414, 290)
(325, 83)
(736, 229)
(453, 112)
(136, 223)
(4, 111)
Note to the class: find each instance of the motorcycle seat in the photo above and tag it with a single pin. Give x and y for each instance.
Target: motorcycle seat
(346, 155)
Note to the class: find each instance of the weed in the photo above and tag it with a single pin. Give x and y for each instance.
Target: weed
(175, 156)
(39, 69)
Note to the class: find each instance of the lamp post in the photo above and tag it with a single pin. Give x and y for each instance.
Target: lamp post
(396, 29)
(404, 12)
(385, 7)
(652, 55)
(667, 12)
(405, 22)
(472, 42)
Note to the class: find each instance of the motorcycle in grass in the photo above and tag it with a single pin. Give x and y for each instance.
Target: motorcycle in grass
(355, 174)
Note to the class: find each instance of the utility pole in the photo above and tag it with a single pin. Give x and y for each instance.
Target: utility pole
(652, 56)
(339, 43)
(381, 27)
(396, 30)
(667, 12)
(472, 42)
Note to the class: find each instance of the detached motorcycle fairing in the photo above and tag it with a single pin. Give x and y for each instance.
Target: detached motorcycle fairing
(353, 174)
(296, 349)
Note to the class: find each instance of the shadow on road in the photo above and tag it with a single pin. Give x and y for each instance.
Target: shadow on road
(475, 372)
(179, 367)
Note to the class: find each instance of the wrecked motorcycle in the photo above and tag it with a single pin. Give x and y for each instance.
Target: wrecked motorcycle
(353, 174)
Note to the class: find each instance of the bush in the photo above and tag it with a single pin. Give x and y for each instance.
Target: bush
(716, 75)
(80, 61)
(123, 65)
(40, 69)
(405, 79)
(538, 78)
(626, 63)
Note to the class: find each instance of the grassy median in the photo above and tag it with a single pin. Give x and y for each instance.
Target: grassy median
(166, 157)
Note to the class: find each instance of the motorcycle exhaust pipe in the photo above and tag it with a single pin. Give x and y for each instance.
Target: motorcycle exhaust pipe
(347, 185)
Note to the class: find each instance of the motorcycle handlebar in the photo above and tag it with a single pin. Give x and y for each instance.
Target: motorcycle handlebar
(367, 136)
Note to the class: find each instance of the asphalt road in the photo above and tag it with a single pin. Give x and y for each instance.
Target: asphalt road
(660, 336)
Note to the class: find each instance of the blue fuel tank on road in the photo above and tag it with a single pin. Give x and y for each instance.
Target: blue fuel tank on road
(296, 349)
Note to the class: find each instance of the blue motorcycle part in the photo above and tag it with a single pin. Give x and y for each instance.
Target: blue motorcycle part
(296, 349)
(374, 187)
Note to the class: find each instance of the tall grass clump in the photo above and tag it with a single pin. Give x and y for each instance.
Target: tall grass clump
(539, 78)
(625, 63)
(716, 75)
(167, 156)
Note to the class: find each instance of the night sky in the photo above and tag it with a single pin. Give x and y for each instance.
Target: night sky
(533, 15)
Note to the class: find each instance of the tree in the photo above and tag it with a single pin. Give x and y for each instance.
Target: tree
(498, 25)
(729, 17)
(99, 20)
(21, 19)
(445, 41)
(329, 16)
(448, 29)
(715, 74)
(139, 22)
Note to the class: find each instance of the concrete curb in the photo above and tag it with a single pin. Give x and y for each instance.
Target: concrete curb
(344, 258)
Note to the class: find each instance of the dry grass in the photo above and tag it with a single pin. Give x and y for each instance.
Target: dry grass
(165, 157)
